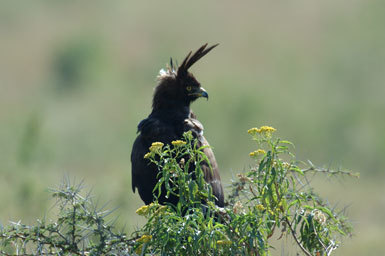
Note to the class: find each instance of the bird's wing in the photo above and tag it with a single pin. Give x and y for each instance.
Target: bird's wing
(143, 173)
(210, 170)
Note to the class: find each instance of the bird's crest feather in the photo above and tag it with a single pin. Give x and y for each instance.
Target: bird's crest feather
(192, 58)
(174, 71)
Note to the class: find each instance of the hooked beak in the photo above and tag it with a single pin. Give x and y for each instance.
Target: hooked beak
(200, 93)
(203, 93)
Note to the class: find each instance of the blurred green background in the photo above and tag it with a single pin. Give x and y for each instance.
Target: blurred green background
(76, 77)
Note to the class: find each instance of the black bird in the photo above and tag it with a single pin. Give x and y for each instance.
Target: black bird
(170, 118)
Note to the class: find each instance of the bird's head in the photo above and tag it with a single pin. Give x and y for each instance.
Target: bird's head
(177, 86)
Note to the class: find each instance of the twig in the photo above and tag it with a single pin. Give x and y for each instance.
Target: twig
(296, 239)
(332, 172)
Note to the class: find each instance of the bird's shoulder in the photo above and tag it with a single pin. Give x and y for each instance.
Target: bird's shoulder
(192, 124)
(153, 126)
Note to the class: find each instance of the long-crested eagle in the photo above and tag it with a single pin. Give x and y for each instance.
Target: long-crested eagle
(170, 118)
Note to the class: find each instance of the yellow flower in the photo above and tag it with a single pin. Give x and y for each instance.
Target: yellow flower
(258, 152)
(267, 129)
(156, 146)
(253, 131)
(260, 207)
(147, 155)
(142, 211)
(223, 242)
(264, 130)
(178, 143)
(144, 239)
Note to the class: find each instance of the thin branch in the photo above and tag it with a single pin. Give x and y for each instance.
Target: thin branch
(296, 239)
(329, 171)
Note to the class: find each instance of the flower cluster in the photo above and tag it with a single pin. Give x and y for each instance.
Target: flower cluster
(142, 211)
(156, 147)
(258, 152)
(260, 207)
(264, 130)
(147, 155)
(178, 143)
(144, 239)
(267, 129)
(253, 131)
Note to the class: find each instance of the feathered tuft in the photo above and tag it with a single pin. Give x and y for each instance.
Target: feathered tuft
(170, 71)
(192, 58)
(174, 71)
(165, 73)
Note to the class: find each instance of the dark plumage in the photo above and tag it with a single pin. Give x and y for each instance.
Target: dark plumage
(170, 118)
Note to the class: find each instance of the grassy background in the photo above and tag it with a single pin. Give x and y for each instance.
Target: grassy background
(77, 77)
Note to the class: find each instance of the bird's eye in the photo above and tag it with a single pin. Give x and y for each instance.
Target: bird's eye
(188, 88)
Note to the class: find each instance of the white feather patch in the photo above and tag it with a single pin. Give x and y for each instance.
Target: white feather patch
(164, 73)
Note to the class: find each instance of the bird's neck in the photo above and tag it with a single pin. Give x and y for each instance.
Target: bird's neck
(171, 113)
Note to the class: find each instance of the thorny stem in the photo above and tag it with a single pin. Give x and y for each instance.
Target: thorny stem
(73, 227)
(74, 251)
(317, 169)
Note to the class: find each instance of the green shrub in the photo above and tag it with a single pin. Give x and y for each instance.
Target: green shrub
(272, 199)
